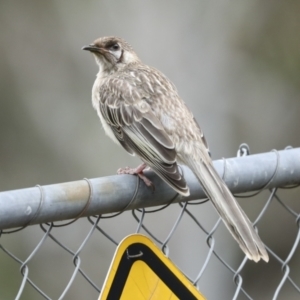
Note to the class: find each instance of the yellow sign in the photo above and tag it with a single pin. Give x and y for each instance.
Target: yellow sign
(141, 271)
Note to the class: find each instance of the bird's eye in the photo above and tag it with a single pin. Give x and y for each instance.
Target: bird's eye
(115, 47)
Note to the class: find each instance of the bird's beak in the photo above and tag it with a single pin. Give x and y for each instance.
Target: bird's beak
(92, 48)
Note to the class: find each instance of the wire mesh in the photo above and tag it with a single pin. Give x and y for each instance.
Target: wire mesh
(70, 260)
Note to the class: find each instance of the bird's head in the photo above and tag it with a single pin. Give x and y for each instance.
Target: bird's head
(112, 53)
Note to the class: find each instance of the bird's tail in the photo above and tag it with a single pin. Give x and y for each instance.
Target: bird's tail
(231, 213)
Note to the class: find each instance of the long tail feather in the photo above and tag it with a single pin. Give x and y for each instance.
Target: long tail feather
(231, 213)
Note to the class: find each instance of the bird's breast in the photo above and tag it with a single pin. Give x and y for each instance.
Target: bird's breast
(96, 105)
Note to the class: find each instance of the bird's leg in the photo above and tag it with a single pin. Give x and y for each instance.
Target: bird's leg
(139, 172)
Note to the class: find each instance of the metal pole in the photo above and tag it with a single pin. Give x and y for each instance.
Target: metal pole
(124, 192)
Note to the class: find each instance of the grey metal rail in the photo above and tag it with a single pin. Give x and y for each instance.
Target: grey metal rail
(124, 192)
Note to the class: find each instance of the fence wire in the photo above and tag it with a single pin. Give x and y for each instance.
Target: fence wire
(59, 260)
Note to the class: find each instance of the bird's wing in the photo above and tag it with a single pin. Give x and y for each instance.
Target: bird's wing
(140, 132)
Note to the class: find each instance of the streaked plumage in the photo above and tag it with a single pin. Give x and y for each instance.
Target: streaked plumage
(141, 110)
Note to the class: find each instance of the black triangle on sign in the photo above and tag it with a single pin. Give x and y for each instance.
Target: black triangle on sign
(140, 269)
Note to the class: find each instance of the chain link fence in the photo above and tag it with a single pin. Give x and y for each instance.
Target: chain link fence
(64, 260)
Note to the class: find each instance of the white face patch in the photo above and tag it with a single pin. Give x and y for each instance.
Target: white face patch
(117, 54)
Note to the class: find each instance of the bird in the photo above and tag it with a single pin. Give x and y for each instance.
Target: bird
(141, 110)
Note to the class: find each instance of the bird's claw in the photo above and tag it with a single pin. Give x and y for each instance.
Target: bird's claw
(139, 172)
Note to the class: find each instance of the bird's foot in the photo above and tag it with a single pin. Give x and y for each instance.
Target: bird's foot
(139, 172)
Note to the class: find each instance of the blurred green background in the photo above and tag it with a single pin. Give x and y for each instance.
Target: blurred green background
(235, 63)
